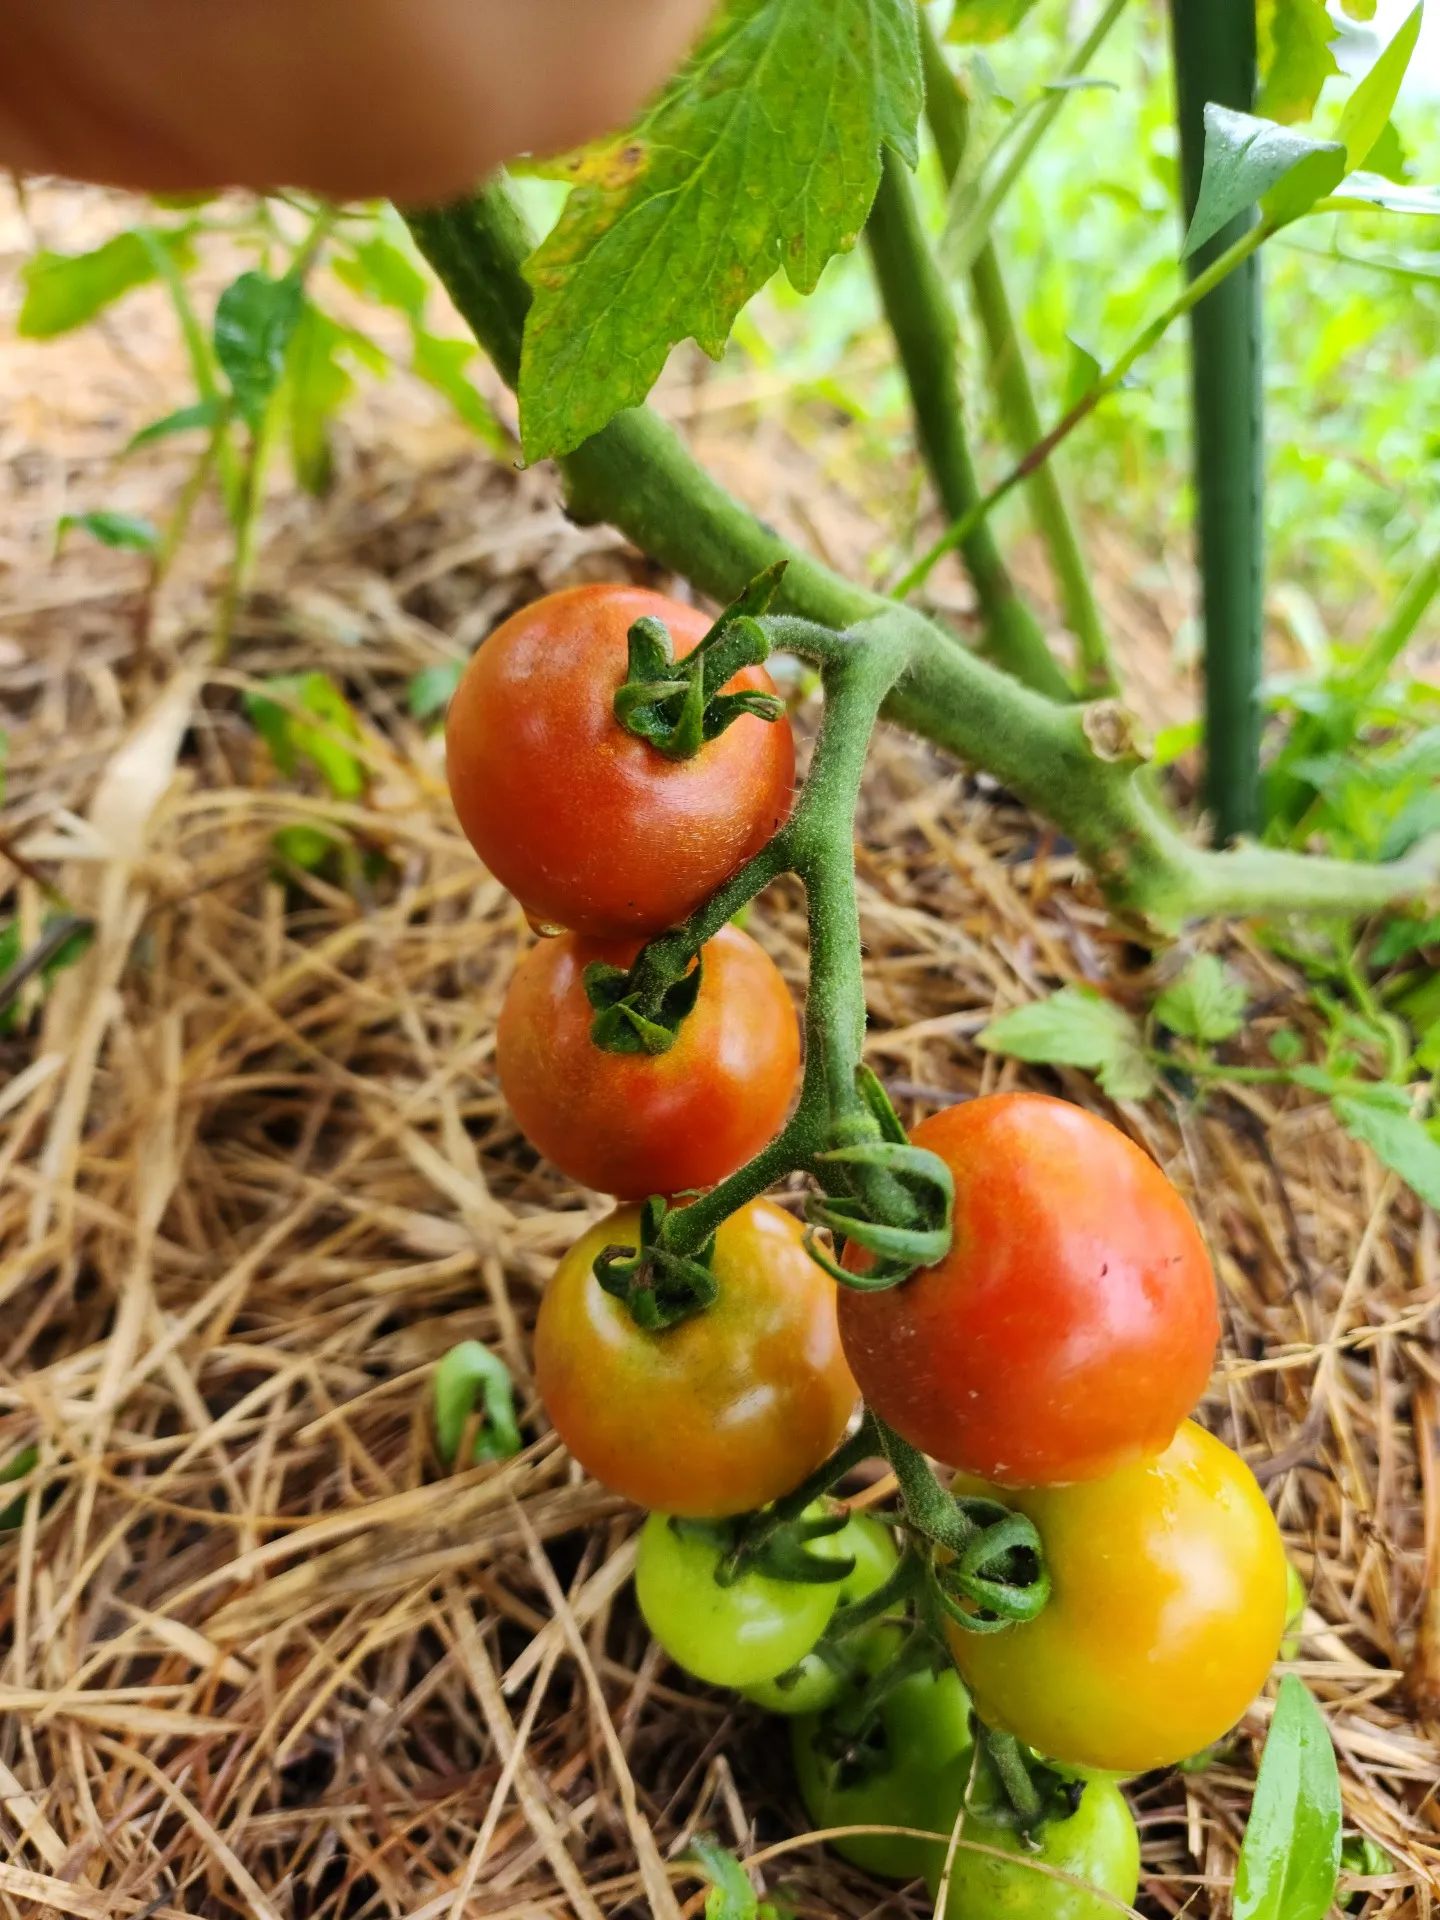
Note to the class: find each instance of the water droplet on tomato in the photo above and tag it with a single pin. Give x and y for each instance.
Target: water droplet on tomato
(542, 929)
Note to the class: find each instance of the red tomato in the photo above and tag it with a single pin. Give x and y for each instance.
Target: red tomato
(1168, 1599)
(634, 1124)
(1073, 1323)
(589, 827)
(722, 1413)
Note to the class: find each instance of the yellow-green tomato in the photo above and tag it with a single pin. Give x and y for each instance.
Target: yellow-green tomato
(815, 1682)
(914, 1775)
(1097, 1844)
(1166, 1610)
(733, 1636)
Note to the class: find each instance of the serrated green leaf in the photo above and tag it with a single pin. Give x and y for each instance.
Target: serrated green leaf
(1290, 1859)
(974, 22)
(441, 364)
(318, 386)
(1077, 1027)
(290, 740)
(763, 152)
(1371, 104)
(64, 290)
(1207, 1002)
(204, 413)
(432, 689)
(1247, 160)
(1295, 57)
(255, 320)
(111, 529)
(1398, 1139)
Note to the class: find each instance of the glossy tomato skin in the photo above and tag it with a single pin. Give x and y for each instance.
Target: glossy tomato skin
(720, 1414)
(816, 1683)
(589, 827)
(633, 1124)
(1168, 1600)
(919, 1783)
(1073, 1323)
(735, 1636)
(1097, 1843)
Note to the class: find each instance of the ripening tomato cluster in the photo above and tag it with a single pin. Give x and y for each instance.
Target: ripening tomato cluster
(1051, 1359)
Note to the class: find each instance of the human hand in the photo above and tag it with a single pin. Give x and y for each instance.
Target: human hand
(413, 100)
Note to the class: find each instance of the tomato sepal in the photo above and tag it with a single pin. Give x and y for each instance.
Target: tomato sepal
(657, 1288)
(783, 1554)
(676, 706)
(630, 1020)
(896, 1201)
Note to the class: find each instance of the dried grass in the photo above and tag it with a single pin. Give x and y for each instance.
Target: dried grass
(258, 1654)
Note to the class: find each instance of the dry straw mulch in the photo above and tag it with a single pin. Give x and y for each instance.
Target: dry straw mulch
(259, 1655)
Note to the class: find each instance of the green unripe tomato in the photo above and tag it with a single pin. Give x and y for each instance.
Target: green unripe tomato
(815, 1683)
(920, 1781)
(1295, 1602)
(1097, 1844)
(733, 1636)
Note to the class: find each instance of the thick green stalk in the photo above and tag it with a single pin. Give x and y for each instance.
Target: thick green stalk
(917, 306)
(1071, 765)
(1215, 60)
(948, 113)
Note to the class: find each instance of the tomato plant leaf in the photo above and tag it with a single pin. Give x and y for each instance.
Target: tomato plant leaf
(975, 21)
(64, 290)
(385, 269)
(112, 529)
(290, 740)
(1207, 1002)
(1290, 1859)
(1398, 1139)
(1358, 9)
(1369, 107)
(1295, 57)
(1248, 159)
(255, 320)
(764, 151)
(1401, 936)
(1077, 1027)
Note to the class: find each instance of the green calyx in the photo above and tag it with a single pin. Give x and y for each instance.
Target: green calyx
(895, 1200)
(677, 705)
(1010, 1787)
(657, 1288)
(984, 1564)
(783, 1554)
(633, 1017)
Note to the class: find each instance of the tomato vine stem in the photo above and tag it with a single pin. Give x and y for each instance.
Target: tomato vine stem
(1081, 767)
